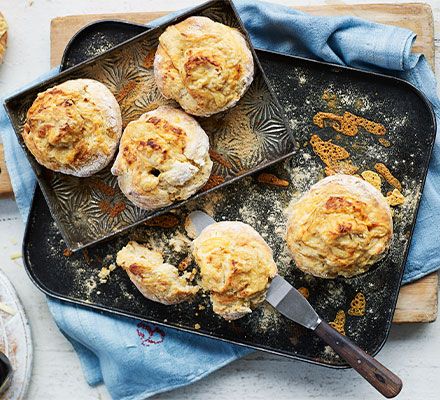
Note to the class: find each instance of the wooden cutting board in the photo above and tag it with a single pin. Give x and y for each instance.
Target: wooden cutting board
(417, 301)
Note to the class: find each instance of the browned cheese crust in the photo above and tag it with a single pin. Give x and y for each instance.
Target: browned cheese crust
(74, 127)
(341, 226)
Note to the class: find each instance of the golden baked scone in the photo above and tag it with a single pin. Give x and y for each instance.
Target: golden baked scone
(341, 226)
(163, 157)
(3, 36)
(204, 65)
(74, 127)
(236, 267)
(156, 280)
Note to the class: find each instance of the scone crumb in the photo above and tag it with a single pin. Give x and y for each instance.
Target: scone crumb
(201, 307)
(272, 179)
(192, 275)
(67, 252)
(197, 326)
(395, 198)
(219, 159)
(112, 267)
(213, 181)
(184, 264)
(373, 178)
(103, 275)
(304, 291)
(163, 221)
(179, 242)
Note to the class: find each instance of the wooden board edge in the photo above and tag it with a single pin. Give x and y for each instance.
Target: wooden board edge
(426, 291)
(5, 182)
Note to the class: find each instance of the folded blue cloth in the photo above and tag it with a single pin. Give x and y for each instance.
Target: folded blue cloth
(136, 360)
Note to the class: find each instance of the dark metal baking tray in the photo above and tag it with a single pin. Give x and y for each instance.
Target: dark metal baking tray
(82, 208)
(299, 84)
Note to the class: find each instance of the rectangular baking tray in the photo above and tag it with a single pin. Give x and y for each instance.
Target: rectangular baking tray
(88, 210)
(298, 84)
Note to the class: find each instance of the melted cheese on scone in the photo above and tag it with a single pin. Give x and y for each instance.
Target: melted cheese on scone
(341, 226)
(74, 127)
(163, 157)
(236, 266)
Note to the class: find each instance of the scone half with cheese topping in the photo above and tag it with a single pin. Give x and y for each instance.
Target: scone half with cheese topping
(163, 158)
(156, 280)
(236, 267)
(341, 226)
(74, 127)
(204, 65)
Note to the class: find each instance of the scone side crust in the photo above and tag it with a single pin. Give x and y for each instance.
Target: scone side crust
(156, 280)
(74, 127)
(163, 157)
(236, 266)
(342, 226)
(204, 65)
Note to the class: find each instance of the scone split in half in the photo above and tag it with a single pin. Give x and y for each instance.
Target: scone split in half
(156, 280)
(236, 267)
(74, 127)
(341, 226)
(163, 158)
(204, 65)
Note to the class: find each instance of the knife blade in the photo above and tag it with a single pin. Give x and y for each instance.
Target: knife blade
(292, 304)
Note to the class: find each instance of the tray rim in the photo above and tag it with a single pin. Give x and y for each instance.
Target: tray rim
(75, 246)
(302, 358)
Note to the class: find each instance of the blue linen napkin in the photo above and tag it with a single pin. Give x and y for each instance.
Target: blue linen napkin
(136, 360)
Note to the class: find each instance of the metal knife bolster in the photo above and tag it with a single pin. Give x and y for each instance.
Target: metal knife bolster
(291, 303)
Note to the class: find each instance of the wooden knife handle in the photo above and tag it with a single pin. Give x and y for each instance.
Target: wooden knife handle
(372, 370)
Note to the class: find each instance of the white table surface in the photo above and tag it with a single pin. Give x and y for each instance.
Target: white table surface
(412, 351)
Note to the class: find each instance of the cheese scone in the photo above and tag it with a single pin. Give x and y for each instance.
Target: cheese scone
(3, 36)
(74, 127)
(204, 65)
(236, 267)
(156, 280)
(341, 226)
(163, 157)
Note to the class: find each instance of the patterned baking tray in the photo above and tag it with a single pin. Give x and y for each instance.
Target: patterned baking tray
(245, 139)
(304, 88)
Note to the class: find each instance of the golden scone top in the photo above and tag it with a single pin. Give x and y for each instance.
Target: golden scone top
(163, 157)
(74, 127)
(155, 279)
(204, 65)
(341, 226)
(3, 36)
(236, 266)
